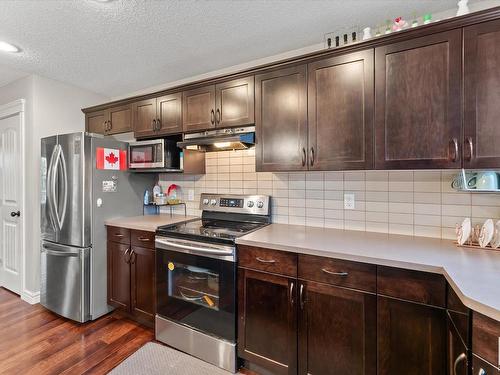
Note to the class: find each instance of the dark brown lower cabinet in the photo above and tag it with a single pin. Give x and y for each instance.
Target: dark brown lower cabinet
(411, 338)
(481, 367)
(118, 275)
(142, 264)
(337, 330)
(267, 324)
(457, 354)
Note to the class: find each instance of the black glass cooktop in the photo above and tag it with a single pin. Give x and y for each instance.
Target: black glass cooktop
(209, 230)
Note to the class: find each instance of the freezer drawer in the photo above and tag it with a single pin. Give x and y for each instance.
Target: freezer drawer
(65, 280)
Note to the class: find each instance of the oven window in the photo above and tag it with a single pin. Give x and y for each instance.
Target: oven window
(193, 284)
(142, 154)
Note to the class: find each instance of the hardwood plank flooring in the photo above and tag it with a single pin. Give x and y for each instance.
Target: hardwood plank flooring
(35, 341)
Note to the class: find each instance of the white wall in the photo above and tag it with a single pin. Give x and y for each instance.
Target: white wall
(52, 107)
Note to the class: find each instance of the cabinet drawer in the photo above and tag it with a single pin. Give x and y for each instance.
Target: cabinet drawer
(338, 272)
(488, 369)
(117, 234)
(486, 338)
(416, 286)
(274, 261)
(143, 239)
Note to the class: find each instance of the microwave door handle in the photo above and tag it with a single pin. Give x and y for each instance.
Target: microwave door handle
(195, 249)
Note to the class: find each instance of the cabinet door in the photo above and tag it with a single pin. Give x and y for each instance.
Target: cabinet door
(411, 338)
(418, 102)
(144, 118)
(481, 367)
(337, 330)
(169, 111)
(96, 122)
(142, 264)
(482, 95)
(198, 109)
(235, 102)
(457, 354)
(120, 119)
(340, 112)
(281, 120)
(118, 275)
(267, 327)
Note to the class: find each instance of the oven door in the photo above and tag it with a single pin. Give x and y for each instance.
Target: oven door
(147, 154)
(197, 291)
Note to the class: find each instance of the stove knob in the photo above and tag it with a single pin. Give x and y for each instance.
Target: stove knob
(206, 201)
(260, 204)
(250, 204)
(213, 202)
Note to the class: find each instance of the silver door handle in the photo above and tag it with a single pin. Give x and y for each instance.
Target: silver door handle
(292, 284)
(301, 296)
(64, 173)
(334, 273)
(270, 261)
(61, 254)
(51, 191)
(165, 244)
(459, 359)
(59, 251)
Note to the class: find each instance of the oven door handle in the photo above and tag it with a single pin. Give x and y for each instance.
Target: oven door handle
(193, 249)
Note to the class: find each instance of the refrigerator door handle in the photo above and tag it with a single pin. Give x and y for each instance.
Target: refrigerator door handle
(64, 175)
(51, 184)
(59, 250)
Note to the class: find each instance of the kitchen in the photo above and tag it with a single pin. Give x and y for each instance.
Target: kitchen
(327, 210)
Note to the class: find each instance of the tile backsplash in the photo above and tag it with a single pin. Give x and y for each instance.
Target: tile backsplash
(420, 203)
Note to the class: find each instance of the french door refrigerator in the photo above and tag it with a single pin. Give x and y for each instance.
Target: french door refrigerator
(76, 199)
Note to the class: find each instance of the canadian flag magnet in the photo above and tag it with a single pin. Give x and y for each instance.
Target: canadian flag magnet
(111, 159)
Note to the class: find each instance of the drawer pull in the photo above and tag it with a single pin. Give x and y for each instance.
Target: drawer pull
(343, 274)
(119, 235)
(270, 261)
(143, 238)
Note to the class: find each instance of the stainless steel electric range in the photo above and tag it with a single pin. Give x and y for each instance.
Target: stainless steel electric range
(196, 276)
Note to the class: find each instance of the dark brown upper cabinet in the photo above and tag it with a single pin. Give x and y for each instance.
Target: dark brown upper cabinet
(340, 112)
(158, 116)
(198, 109)
(267, 328)
(225, 104)
(110, 121)
(337, 330)
(281, 119)
(482, 95)
(418, 116)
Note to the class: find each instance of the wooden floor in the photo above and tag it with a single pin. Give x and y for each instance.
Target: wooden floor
(36, 341)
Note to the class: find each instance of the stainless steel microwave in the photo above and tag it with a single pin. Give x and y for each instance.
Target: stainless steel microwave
(154, 155)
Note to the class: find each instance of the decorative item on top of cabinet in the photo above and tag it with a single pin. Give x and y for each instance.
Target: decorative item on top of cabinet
(340, 112)
(281, 119)
(482, 95)
(114, 120)
(418, 112)
(158, 116)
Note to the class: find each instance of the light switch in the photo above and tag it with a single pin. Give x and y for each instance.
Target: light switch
(349, 203)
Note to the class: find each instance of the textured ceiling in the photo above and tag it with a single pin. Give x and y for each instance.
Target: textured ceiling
(125, 45)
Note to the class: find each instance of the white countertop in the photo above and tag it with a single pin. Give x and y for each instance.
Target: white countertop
(147, 222)
(474, 274)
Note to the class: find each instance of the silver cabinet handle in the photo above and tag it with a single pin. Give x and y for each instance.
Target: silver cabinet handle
(471, 148)
(158, 124)
(143, 238)
(110, 125)
(127, 260)
(154, 125)
(454, 143)
(217, 116)
(119, 235)
(133, 257)
(270, 261)
(292, 284)
(301, 296)
(482, 371)
(312, 156)
(303, 156)
(343, 274)
(212, 117)
(459, 359)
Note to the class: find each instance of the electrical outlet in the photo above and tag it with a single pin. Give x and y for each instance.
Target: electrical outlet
(190, 195)
(349, 203)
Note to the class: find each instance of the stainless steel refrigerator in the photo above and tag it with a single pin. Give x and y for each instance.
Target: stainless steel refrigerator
(76, 199)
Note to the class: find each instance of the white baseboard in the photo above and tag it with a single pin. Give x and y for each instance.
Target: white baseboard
(30, 297)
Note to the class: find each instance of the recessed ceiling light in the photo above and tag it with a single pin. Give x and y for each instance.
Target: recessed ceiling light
(7, 47)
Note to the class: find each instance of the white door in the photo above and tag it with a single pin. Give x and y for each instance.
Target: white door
(10, 202)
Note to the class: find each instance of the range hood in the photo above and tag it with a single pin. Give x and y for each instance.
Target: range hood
(220, 139)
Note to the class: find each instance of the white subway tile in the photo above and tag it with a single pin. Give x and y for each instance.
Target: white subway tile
(427, 231)
(297, 211)
(377, 227)
(297, 220)
(314, 212)
(314, 203)
(427, 209)
(297, 193)
(430, 220)
(354, 225)
(403, 229)
(314, 194)
(334, 223)
(315, 221)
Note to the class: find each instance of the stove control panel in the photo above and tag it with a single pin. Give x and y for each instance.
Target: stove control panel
(248, 204)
